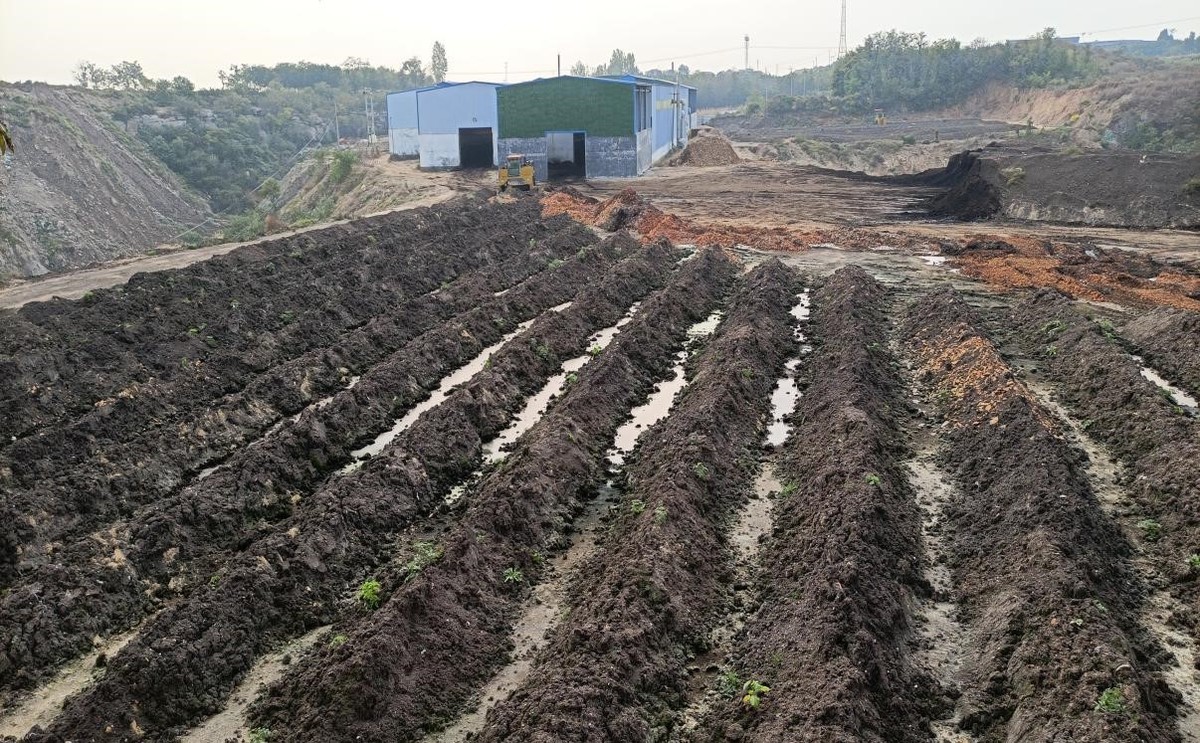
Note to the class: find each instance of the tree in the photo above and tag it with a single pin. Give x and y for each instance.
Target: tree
(129, 76)
(620, 63)
(87, 75)
(412, 71)
(1166, 35)
(579, 69)
(437, 62)
(181, 85)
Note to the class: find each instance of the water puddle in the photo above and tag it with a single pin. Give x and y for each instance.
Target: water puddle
(663, 398)
(1178, 396)
(787, 391)
(448, 383)
(561, 307)
(230, 723)
(42, 705)
(536, 406)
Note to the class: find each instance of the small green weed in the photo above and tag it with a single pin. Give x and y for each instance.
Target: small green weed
(729, 684)
(424, 555)
(660, 515)
(700, 469)
(1051, 350)
(260, 735)
(1192, 187)
(1193, 561)
(636, 506)
(752, 693)
(1054, 327)
(368, 594)
(542, 350)
(214, 581)
(1013, 176)
(789, 488)
(571, 379)
(337, 640)
(513, 575)
(1111, 701)
(557, 262)
(595, 350)
(538, 558)
(287, 318)
(1151, 529)
(874, 480)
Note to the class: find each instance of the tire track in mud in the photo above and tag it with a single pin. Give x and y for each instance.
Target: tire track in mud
(295, 578)
(1042, 576)
(179, 543)
(615, 666)
(829, 637)
(442, 634)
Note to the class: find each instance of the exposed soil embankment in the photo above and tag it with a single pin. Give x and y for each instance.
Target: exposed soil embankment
(1042, 576)
(843, 555)
(79, 190)
(1097, 188)
(1170, 341)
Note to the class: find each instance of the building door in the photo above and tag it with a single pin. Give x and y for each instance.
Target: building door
(566, 154)
(475, 147)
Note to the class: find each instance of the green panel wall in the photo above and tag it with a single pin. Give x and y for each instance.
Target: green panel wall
(602, 109)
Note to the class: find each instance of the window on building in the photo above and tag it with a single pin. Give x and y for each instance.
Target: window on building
(642, 110)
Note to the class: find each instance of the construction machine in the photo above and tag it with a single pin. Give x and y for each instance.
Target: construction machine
(517, 172)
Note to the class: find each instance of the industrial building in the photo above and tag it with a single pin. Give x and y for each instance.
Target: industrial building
(596, 127)
(402, 121)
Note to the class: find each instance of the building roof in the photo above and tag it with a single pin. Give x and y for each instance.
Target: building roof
(611, 80)
(435, 86)
(644, 79)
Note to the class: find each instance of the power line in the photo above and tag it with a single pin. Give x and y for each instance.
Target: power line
(1144, 25)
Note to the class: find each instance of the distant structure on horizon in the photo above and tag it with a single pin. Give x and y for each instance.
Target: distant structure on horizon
(842, 45)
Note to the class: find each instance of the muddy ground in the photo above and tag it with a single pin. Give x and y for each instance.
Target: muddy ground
(575, 468)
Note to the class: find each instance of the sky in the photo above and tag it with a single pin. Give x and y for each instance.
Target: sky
(44, 39)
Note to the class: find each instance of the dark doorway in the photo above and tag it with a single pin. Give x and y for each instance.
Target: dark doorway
(566, 154)
(475, 147)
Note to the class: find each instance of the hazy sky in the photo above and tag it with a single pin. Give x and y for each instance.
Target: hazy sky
(43, 39)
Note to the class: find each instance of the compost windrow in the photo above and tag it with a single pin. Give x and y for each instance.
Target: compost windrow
(182, 666)
(443, 634)
(843, 559)
(155, 553)
(1042, 576)
(1170, 341)
(235, 314)
(615, 668)
(1157, 440)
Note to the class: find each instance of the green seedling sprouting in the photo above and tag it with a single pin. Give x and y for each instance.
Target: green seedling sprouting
(752, 693)
(554, 263)
(636, 506)
(874, 479)
(1194, 561)
(542, 350)
(660, 515)
(789, 488)
(729, 684)
(571, 379)
(1151, 529)
(337, 640)
(368, 594)
(538, 558)
(1051, 350)
(260, 735)
(595, 350)
(1054, 327)
(425, 554)
(513, 575)
(700, 469)
(1111, 701)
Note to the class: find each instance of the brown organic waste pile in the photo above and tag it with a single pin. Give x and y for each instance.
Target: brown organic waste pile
(705, 149)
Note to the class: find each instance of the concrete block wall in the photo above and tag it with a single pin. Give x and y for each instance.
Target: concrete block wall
(532, 147)
(607, 157)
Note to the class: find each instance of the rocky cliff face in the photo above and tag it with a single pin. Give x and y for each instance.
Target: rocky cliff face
(79, 190)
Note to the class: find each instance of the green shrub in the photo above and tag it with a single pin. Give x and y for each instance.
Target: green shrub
(1151, 529)
(368, 594)
(1111, 701)
(1013, 176)
(343, 163)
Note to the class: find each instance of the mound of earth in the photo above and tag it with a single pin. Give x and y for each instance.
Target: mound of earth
(1101, 188)
(706, 149)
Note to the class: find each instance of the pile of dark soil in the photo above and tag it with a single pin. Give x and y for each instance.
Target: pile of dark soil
(1098, 188)
(617, 664)
(412, 662)
(706, 149)
(843, 558)
(1042, 577)
(1170, 341)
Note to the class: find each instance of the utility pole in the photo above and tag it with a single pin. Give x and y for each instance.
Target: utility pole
(842, 45)
(337, 132)
(369, 112)
(559, 66)
(747, 66)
